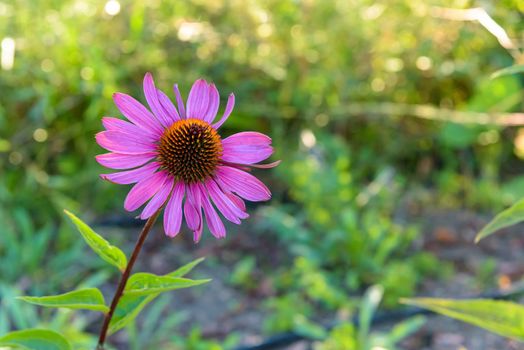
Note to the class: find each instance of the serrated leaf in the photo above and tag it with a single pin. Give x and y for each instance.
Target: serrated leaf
(144, 283)
(131, 305)
(508, 217)
(87, 299)
(35, 339)
(501, 317)
(103, 248)
(518, 68)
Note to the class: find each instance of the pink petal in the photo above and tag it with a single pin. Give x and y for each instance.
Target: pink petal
(197, 234)
(229, 108)
(173, 212)
(195, 199)
(198, 100)
(236, 201)
(158, 199)
(191, 215)
(224, 203)
(179, 102)
(150, 91)
(144, 190)
(214, 102)
(124, 161)
(118, 142)
(248, 138)
(192, 207)
(136, 138)
(137, 113)
(245, 185)
(132, 176)
(266, 166)
(216, 226)
(246, 148)
(115, 124)
(169, 107)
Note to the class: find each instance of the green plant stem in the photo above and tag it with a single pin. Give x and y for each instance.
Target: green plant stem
(124, 278)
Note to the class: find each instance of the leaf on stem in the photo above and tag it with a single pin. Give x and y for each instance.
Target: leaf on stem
(144, 283)
(182, 271)
(87, 299)
(501, 317)
(103, 248)
(131, 305)
(35, 339)
(511, 216)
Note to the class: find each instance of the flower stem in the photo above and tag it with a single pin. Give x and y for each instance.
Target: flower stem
(124, 278)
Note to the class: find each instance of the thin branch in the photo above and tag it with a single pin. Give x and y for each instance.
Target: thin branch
(480, 15)
(429, 112)
(124, 278)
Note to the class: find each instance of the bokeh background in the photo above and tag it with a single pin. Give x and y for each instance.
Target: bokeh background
(396, 146)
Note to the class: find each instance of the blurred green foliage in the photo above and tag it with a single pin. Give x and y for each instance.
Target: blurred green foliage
(341, 234)
(312, 74)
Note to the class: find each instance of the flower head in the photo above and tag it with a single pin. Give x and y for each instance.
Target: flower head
(176, 157)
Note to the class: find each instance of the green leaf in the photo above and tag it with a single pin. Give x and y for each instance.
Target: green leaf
(131, 305)
(128, 308)
(106, 251)
(88, 299)
(144, 283)
(311, 330)
(35, 339)
(182, 271)
(501, 317)
(368, 306)
(508, 217)
(518, 68)
(405, 328)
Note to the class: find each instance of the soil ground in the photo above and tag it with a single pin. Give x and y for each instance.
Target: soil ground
(494, 265)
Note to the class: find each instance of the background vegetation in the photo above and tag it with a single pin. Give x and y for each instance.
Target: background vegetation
(381, 111)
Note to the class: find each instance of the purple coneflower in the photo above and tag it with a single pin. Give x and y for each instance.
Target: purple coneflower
(177, 156)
